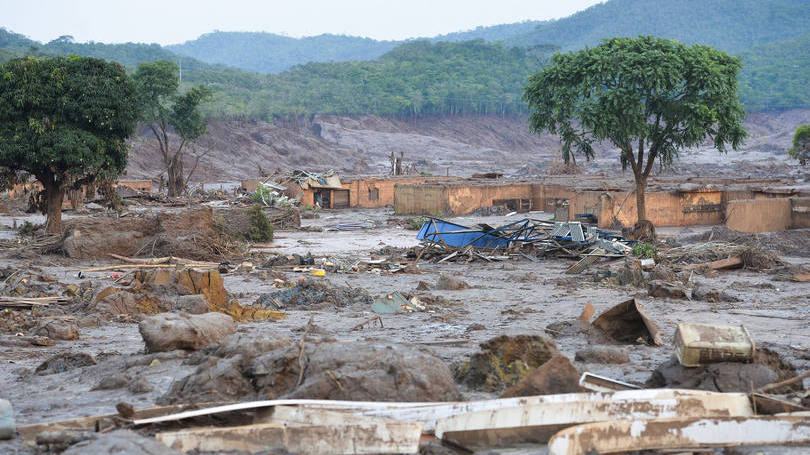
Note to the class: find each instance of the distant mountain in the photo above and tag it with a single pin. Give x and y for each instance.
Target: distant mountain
(270, 53)
(14, 43)
(501, 32)
(730, 25)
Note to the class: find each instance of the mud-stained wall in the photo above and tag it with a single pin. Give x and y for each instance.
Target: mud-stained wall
(759, 215)
(420, 199)
(463, 199)
(664, 209)
(800, 213)
(379, 191)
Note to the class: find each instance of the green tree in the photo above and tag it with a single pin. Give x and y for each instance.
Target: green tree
(65, 121)
(650, 97)
(801, 144)
(164, 109)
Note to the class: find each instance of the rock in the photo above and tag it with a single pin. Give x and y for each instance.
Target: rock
(449, 283)
(88, 244)
(213, 380)
(140, 385)
(374, 372)
(64, 362)
(121, 442)
(658, 288)
(170, 331)
(504, 361)
(601, 354)
(125, 410)
(192, 304)
(58, 328)
(113, 381)
(332, 370)
(251, 344)
(557, 375)
(718, 377)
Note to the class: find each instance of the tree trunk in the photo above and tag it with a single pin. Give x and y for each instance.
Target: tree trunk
(641, 207)
(54, 194)
(175, 182)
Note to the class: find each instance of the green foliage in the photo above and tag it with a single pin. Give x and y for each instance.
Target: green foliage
(645, 250)
(645, 94)
(260, 229)
(801, 144)
(28, 228)
(415, 223)
(65, 120)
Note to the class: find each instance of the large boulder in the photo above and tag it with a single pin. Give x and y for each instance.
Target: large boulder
(716, 377)
(504, 361)
(170, 331)
(331, 370)
(557, 375)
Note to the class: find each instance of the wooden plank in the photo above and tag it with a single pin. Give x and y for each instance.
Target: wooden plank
(679, 433)
(534, 424)
(427, 413)
(801, 277)
(367, 437)
(728, 263)
(29, 432)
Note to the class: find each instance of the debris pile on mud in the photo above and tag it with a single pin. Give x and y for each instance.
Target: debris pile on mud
(314, 294)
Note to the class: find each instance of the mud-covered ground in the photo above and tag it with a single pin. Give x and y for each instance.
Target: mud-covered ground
(505, 297)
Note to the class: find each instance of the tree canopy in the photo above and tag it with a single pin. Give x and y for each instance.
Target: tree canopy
(165, 109)
(801, 144)
(650, 97)
(65, 120)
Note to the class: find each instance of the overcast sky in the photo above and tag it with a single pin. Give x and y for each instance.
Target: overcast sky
(175, 21)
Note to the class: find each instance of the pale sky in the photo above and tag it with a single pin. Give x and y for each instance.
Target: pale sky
(175, 21)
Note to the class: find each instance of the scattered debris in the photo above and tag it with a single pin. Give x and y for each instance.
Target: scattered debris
(64, 362)
(314, 294)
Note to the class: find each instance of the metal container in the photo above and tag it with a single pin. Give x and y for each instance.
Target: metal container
(700, 344)
(7, 427)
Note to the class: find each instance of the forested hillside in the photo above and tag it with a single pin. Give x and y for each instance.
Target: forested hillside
(777, 75)
(270, 53)
(416, 78)
(445, 75)
(730, 25)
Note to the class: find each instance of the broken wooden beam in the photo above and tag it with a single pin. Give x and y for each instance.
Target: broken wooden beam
(536, 423)
(680, 433)
(367, 437)
(727, 263)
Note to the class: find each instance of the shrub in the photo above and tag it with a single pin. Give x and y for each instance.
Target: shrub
(260, 230)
